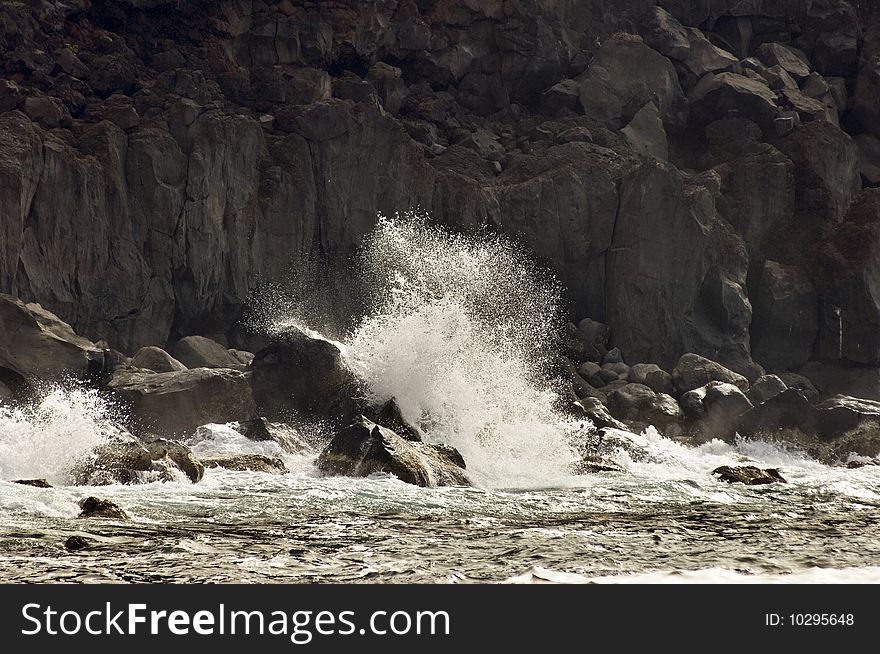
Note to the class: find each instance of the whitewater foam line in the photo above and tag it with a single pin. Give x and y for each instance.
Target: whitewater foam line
(848, 575)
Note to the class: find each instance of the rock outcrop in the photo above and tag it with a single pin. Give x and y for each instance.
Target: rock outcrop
(365, 448)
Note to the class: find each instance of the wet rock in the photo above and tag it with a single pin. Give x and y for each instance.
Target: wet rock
(178, 454)
(93, 507)
(766, 387)
(126, 460)
(76, 543)
(861, 463)
(785, 411)
(365, 448)
(36, 483)
(299, 374)
(178, 402)
(749, 475)
(247, 462)
(592, 464)
(693, 371)
(635, 403)
(785, 317)
(286, 436)
(660, 381)
(36, 345)
(156, 359)
(202, 352)
(390, 416)
(624, 75)
(598, 414)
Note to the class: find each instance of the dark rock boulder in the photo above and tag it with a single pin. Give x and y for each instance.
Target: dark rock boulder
(715, 409)
(766, 387)
(93, 507)
(156, 359)
(37, 346)
(788, 411)
(76, 543)
(202, 352)
(591, 464)
(662, 31)
(841, 379)
(693, 371)
(247, 462)
(300, 374)
(36, 483)
(731, 93)
(866, 98)
(638, 404)
(794, 63)
(624, 75)
(660, 381)
(646, 134)
(869, 158)
(596, 412)
(365, 448)
(801, 383)
(178, 402)
(749, 475)
(785, 317)
(390, 416)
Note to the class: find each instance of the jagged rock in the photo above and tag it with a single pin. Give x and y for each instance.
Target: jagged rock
(36, 345)
(162, 449)
(483, 94)
(11, 96)
(390, 416)
(704, 57)
(809, 109)
(36, 483)
(365, 448)
(247, 462)
(298, 374)
(178, 402)
(47, 111)
(624, 75)
(639, 404)
(260, 429)
(715, 409)
(778, 79)
(646, 134)
(727, 94)
(591, 464)
(598, 414)
(664, 33)
(785, 317)
(156, 359)
(561, 98)
(765, 388)
(693, 371)
(779, 54)
(749, 475)
(244, 357)
(93, 507)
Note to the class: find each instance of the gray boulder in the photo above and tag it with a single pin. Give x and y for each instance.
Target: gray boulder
(662, 31)
(646, 134)
(126, 460)
(715, 409)
(365, 448)
(202, 352)
(705, 57)
(638, 373)
(598, 414)
(636, 403)
(794, 63)
(178, 402)
(725, 93)
(766, 387)
(93, 507)
(286, 436)
(156, 359)
(693, 371)
(869, 158)
(660, 381)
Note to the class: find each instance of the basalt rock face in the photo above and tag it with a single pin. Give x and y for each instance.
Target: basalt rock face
(161, 160)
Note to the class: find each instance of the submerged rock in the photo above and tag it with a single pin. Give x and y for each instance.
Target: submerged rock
(592, 464)
(365, 448)
(93, 507)
(76, 543)
(37, 483)
(247, 462)
(750, 475)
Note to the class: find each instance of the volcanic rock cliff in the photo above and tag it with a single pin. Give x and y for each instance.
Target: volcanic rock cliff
(701, 175)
